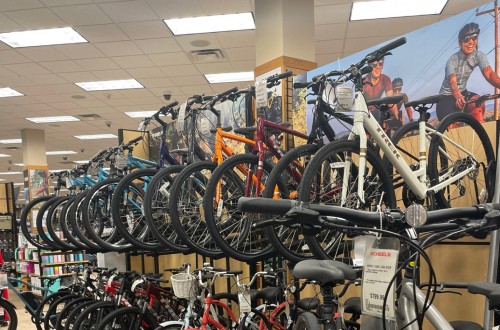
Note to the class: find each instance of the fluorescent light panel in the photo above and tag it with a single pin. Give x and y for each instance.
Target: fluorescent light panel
(395, 8)
(215, 78)
(19, 164)
(11, 141)
(109, 85)
(10, 173)
(140, 114)
(206, 24)
(60, 152)
(53, 119)
(9, 92)
(96, 136)
(81, 161)
(4, 155)
(44, 37)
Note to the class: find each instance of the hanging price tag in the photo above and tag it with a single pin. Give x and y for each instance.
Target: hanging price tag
(244, 301)
(261, 93)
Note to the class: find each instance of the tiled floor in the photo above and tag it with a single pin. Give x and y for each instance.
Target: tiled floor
(23, 317)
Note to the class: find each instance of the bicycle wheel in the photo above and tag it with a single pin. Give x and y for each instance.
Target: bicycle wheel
(44, 306)
(405, 139)
(95, 220)
(28, 221)
(467, 148)
(93, 314)
(156, 209)
(73, 315)
(186, 208)
(230, 228)
(126, 318)
(331, 178)
(43, 218)
(307, 321)
(67, 227)
(127, 207)
(289, 242)
(9, 318)
(55, 309)
(68, 309)
(54, 223)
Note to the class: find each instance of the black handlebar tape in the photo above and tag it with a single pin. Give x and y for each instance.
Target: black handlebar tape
(366, 69)
(441, 216)
(229, 91)
(390, 46)
(265, 205)
(280, 76)
(137, 139)
(167, 107)
(301, 84)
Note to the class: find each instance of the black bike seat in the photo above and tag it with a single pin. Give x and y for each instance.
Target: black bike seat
(308, 304)
(423, 101)
(181, 152)
(386, 100)
(465, 325)
(324, 271)
(269, 294)
(245, 130)
(225, 129)
(353, 306)
(490, 290)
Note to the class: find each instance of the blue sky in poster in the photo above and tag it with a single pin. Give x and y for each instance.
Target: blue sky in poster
(421, 61)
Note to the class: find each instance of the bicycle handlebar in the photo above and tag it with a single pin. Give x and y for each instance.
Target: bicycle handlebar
(382, 51)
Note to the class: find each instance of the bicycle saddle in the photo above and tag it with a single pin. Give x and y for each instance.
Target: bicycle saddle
(269, 294)
(386, 100)
(246, 131)
(423, 101)
(490, 290)
(308, 304)
(324, 271)
(225, 129)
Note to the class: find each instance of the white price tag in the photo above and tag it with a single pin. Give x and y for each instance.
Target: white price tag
(244, 301)
(181, 117)
(261, 94)
(205, 126)
(219, 207)
(378, 270)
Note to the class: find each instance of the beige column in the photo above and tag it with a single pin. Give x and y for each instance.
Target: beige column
(35, 163)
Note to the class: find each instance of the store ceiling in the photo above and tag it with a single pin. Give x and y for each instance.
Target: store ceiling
(128, 39)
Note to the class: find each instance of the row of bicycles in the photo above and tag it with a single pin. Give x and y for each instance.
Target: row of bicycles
(187, 202)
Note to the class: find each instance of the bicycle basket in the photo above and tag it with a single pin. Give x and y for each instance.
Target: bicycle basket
(184, 285)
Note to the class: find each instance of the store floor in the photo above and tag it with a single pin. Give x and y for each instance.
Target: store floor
(23, 317)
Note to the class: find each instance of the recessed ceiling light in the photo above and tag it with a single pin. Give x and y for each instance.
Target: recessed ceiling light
(53, 119)
(216, 78)
(395, 8)
(109, 85)
(10, 173)
(58, 36)
(8, 92)
(206, 24)
(4, 155)
(19, 164)
(11, 141)
(81, 161)
(61, 152)
(96, 136)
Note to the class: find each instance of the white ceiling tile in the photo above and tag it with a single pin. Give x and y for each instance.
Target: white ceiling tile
(39, 18)
(218, 67)
(54, 3)
(90, 103)
(62, 66)
(405, 25)
(128, 11)
(153, 72)
(8, 25)
(329, 46)
(169, 59)
(330, 31)
(180, 70)
(332, 14)
(35, 90)
(14, 80)
(51, 98)
(355, 45)
(189, 80)
(327, 58)
(78, 77)
(19, 5)
(237, 39)
(42, 53)
(156, 82)
(175, 8)
(129, 62)
(136, 93)
(188, 42)
(97, 64)
(172, 90)
(102, 33)
(197, 90)
(119, 48)
(146, 30)
(12, 57)
(79, 51)
(47, 79)
(159, 45)
(117, 101)
(241, 54)
(216, 7)
(64, 105)
(112, 74)
(82, 14)
(243, 65)
(27, 69)
(61, 89)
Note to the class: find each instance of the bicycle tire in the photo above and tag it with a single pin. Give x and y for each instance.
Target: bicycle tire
(44, 306)
(27, 225)
(477, 186)
(93, 314)
(307, 321)
(186, 196)
(125, 318)
(327, 188)
(70, 321)
(68, 309)
(9, 312)
(288, 241)
(49, 322)
(230, 228)
(66, 225)
(54, 223)
(254, 322)
(156, 209)
(405, 139)
(100, 229)
(42, 219)
(127, 207)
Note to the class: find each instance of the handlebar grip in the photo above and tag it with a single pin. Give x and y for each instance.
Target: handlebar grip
(229, 91)
(171, 105)
(366, 69)
(265, 205)
(134, 141)
(280, 76)
(301, 84)
(390, 46)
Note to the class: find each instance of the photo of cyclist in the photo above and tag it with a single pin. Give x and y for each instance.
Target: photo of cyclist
(393, 123)
(376, 85)
(459, 67)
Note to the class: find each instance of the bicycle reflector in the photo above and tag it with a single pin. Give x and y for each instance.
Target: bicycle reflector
(416, 215)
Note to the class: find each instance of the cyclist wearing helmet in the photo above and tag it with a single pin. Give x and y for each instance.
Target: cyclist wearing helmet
(458, 70)
(397, 86)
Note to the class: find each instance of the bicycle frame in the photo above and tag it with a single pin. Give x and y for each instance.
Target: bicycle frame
(364, 123)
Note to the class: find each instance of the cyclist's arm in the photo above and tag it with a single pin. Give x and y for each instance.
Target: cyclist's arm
(491, 76)
(409, 110)
(459, 98)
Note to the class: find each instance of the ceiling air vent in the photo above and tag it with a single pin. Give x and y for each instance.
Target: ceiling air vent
(89, 116)
(207, 55)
